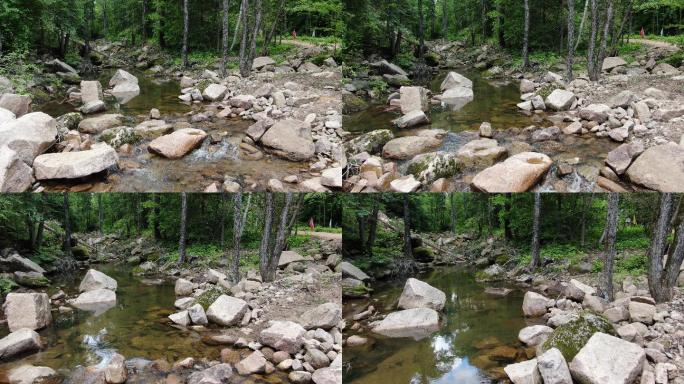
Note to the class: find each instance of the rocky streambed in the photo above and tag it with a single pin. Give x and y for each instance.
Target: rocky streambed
(119, 323)
(499, 131)
(166, 130)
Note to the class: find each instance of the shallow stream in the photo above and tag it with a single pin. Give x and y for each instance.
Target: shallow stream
(473, 325)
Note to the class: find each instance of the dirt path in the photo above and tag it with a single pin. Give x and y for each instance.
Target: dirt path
(656, 44)
(324, 235)
(305, 44)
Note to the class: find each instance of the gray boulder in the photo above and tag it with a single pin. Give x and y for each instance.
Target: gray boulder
(227, 310)
(27, 310)
(415, 322)
(419, 294)
(17, 104)
(72, 165)
(19, 342)
(283, 336)
(607, 359)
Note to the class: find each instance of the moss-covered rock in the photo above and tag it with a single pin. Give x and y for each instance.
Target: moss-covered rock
(80, 252)
(352, 103)
(423, 254)
(571, 337)
(371, 142)
(208, 297)
(31, 279)
(492, 273)
(429, 167)
(355, 292)
(68, 122)
(119, 136)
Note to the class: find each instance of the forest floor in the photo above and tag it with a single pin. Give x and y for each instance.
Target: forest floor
(305, 293)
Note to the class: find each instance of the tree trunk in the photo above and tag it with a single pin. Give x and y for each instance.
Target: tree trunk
(105, 18)
(183, 227)
(604, 41)
(581, 28)
(281, 238)
(274, 27)
(100, 213)
(144, 17)
(445, 19)
(266, 236)
(372, 231)
(591, 49)
(508, 205)
(245, 69)
(255, 31)
(226, 16)
(676, 254)
(186, 31)
(237, 232)
(571, 44)
(67, 226)
(361, 220)
(157, 216)
(238, 22)
(658, 248)
(421, 31)
(535, 262)
(222, 221)
(526, 36)
(408, 251)
(606, 282)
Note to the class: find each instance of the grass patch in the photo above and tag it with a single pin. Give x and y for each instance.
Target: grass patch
(7, 285)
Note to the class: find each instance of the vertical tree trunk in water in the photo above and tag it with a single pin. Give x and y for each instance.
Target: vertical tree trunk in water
(526, 36)
(183, 227)
(534, 263)
(266, 236)
(100, 213)
(186, 31)
(658, 248)
(237, 231)
(408, 251)
(606, 283)
(571, 35)
(67, 226)
(591, 49)
(224, 61)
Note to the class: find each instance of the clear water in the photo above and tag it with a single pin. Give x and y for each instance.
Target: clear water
(450, 355)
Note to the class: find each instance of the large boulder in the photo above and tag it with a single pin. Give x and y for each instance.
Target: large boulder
(328, 375)
(429, 167)
(6, 115)
(641, 312)
(283, 336)
(413, 99)
(290, 139)
(95, 300)
(613, 62)
(214, 92)
(623, 99)
(183, 287)
(415, 322)
(219, 373)
(553, 367)
(261, 62)
(621, 157)
(29, 374)
(453, 80)
(227, 310)
(607, 359)
(481, 153)
(325, 316)
(27, 310)
(95, 279)
(595, 112)
(371, 142)
(254, 363)
(125, 92)
(15, 175)
(457, 97)
(72, 165)
(572, 335)
(14, 262)
(178, 143)
(660, 168)
(411, 119)
(287, 257)
(560, 100)
(519, 173)
(98, 124)
(91, 91)
(18, 342)
(534, 334)
(419, 294)
(536, 305)
(30, 135)
(352, 271)
(406, 147)
(121, 77)
(525, 372)
(17, 104)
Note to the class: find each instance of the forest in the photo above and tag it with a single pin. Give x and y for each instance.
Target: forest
(191, 227)
(544, 231)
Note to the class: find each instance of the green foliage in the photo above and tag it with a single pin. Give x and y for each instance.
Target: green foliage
(7, 285)
(207, 298)
(635, 265)
(676, 59)
(47, 255)
(20, 69)
(298, 241)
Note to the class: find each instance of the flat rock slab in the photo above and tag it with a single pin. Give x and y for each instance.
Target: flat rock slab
(290, 139)
(98, 124)
(72, 165)
(518, 173)
(15, 175)
(285, 336)
(287, 257)
(406, 147)
(17, 104)
(351, 270)
(178, 143)
(660, 168)
(416, 323)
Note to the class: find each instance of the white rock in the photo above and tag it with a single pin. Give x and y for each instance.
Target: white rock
(607, 359)
(415, 322)
(524, 373)
(534, 334)
(535, 305)
(94, 279)
(27, 310)
(553, 368)
(180, 318)
(419, 294)
(283, 336)
(19, 342)
(560, 100)
(227, 310)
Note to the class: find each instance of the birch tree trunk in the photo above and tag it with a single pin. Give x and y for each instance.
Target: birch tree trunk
(658, 248)
(67, 226)
(408, 251)
(526, 36)
(237, 25)
(591, 49)
(245, 69)
(237, 236)
(266, 236)
(581, 28)
(535, 262)
(224, 60)
(186, 31)
(571, 35)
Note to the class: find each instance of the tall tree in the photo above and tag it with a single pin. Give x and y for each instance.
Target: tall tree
(226, 18)
(408, 251)
(526, 36)
(372, 231)
(183, 227)
(100, 213)
(536, 218)
(571, 44)
(67, 225)
(662, 274)
(245, 64)
(237, 236)
(266, 236)
(606, 281)
(591, 50)
(186, 32)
